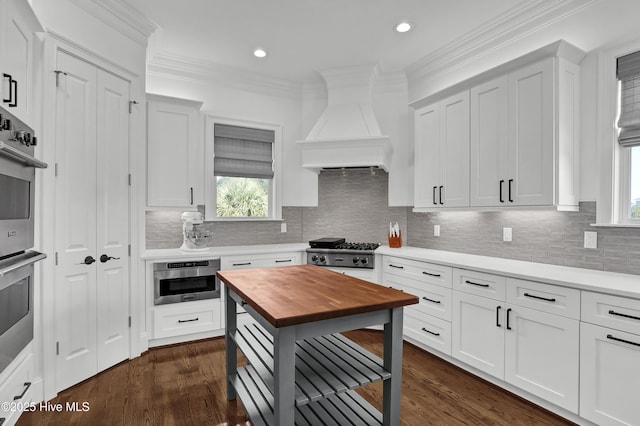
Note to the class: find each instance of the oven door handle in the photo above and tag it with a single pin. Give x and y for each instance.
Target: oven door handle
(15, 154)
(185, 273)
(24, 260)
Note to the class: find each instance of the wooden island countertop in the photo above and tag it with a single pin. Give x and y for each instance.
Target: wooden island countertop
(291, 295)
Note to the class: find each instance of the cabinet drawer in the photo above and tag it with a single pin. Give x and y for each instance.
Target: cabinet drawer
(261, 260)
(17, 388)
(431, 331)
(480, 283)
(616, 312)
(544, 297)
(189, 317)
(434, 300)
(421, 271)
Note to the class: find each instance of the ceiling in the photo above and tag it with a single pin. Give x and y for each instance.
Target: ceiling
(302, 37)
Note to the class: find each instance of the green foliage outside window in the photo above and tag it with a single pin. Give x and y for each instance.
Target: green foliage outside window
(242, 197)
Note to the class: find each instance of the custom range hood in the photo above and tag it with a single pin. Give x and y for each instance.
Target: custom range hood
(347, 133)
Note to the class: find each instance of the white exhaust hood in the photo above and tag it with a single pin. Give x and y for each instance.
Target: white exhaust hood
(347, 133)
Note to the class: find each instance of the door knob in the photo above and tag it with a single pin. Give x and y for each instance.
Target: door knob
(87, 261)
(104, 258)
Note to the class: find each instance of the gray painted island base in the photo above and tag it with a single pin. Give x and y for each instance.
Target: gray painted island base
(304, 374)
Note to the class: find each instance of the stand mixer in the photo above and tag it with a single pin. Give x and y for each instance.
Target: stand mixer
(194, 239)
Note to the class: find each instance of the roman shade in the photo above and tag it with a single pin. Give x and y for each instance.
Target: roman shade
(243, 151)
(628, 71)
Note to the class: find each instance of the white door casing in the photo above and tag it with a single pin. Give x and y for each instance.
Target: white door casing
(92, 200)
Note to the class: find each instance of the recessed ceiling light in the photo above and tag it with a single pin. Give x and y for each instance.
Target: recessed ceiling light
(259, 53)
(403, 27)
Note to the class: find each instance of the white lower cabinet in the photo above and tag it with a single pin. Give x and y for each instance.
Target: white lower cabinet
(529, 348)
(178, 319)
(16, 391)
(609, 359)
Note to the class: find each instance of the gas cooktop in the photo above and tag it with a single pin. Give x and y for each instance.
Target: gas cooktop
(337, 252)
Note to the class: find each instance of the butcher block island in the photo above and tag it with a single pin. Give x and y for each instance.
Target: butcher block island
(300, 369)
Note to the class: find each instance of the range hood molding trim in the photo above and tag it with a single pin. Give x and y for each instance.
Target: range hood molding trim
(322, 154)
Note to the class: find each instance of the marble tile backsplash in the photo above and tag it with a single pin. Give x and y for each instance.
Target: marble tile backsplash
(353, 204)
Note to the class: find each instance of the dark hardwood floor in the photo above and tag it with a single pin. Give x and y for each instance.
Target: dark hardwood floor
(185, 385)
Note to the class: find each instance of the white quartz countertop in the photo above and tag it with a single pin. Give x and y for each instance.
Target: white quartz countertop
(216, 252)
(627, 285)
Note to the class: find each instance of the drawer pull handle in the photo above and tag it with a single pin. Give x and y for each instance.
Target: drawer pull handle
(431, 275)
(189, 320)
(283, 261)
(609, 336)
(612, 312)
(242, 264)
(540, 297)
(396, 266)
(478, 284)
(27, 385)
(498, 316)
(430, 332)
(508, 312)
(430, 300)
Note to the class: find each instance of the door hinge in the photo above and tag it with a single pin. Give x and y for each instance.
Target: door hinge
(131, 103)
(57, 348)
(56, 170)
(129, 322)
(56, 258)
(58, 76)
(129, 179)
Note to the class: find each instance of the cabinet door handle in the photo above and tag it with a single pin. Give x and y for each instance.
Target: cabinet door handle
(431, 275)
(440, 194)
(14, 84)
(612, 312)
(396, 266)
(478, 284)
(498, 316)
(189, 320)
(508, 312)
(433, 194)
(501, 197)
(10, 81)
(430, 332)
(430, 300)
(26, 385)
(510, 182)
(533, 296)
(609, 336)
(191, 189)
(242, 264)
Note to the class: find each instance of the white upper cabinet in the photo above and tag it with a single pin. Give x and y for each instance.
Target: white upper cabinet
(523, 136)
(18, 28)
(442, 153)
(175, 152)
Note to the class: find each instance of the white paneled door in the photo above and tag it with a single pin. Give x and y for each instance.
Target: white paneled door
(92, 205)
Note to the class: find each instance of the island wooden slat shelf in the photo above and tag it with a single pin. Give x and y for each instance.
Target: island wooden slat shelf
(300, 370)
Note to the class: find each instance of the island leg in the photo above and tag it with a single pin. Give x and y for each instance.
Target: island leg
(393, 363)
(230, 345)
(284, 359)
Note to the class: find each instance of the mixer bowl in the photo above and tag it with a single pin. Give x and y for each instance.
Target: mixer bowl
(198, 237)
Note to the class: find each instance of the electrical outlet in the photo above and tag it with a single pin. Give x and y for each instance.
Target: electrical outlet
(436, 230)
(283, 227)
(507, 234)
(590, 239)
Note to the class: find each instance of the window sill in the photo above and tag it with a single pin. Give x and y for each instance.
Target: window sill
(616, 225)
(243, 219)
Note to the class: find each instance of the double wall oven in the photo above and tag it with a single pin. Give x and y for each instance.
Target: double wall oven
(17, 207)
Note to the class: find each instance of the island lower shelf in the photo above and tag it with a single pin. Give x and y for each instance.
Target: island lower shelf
(327, 369)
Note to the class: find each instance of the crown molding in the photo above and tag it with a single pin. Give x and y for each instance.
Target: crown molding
(525, 18)
(120, 16)
(198, 71)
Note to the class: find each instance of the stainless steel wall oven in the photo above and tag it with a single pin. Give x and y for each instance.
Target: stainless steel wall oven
(185, 281)
(17, 210)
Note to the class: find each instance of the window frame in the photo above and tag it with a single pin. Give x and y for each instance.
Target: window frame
(614, 161)
(275, 186)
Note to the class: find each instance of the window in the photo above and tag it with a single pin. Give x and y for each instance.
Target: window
(628, 74)
(242, 178)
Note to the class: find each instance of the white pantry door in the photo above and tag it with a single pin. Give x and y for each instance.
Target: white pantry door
(92, 204)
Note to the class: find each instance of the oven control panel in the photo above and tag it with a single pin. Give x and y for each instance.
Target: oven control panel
(344, 259)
